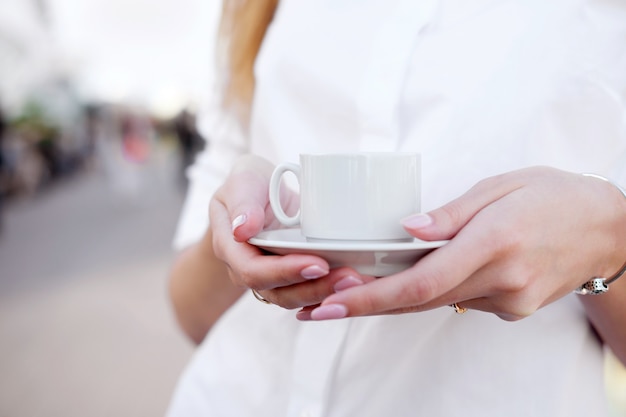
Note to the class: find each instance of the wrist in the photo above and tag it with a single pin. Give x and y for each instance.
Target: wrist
(600, 285)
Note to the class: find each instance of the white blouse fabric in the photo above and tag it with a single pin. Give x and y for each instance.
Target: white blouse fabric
(478, 87)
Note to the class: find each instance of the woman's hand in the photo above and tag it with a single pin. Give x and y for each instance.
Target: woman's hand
(240, 210)
(519, 241)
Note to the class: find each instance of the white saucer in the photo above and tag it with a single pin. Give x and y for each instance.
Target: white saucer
(369, 258)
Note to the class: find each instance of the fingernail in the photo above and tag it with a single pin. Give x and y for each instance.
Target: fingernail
(347, 282)
(239, 220)
(313, 272)
(417, 221)
(329, 312)
(303, 315)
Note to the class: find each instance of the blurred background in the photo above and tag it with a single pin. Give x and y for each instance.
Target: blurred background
(98, 100)
(97, 107)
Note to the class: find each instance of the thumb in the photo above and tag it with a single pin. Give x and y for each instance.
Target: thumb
(446, 221)
(439, 224)
(245, 204)
(244, 196)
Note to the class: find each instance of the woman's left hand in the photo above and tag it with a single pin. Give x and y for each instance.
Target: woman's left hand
(518, 241)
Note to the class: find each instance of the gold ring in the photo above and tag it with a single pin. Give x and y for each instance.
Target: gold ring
(458, 309)
(259, 297)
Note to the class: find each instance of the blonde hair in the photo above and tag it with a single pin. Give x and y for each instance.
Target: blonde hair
(242, 29)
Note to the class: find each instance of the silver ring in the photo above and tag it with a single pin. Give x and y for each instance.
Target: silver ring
(458, 309)
(259, 297)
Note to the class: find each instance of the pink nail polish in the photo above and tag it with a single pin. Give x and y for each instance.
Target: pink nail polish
(303, 315)
(329, 312)
(347, 282)
(313, 272)
(238, 221)
(417, 221)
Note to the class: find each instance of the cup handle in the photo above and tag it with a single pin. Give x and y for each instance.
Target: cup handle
(275, 182)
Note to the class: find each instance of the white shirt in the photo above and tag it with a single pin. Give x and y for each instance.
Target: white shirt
(478, 87)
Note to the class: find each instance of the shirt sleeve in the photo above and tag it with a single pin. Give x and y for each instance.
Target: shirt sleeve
(226, 141)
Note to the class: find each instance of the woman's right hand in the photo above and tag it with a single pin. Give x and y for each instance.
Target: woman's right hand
(238, 211)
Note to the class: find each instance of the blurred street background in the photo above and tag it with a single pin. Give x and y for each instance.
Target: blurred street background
(98, 107)
(98, 100)
(85, 326)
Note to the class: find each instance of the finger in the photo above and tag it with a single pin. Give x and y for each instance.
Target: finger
(501, 288)
(476, 304)
(498, 306)
(487, 305)
(312, 292)
(436, 274)
(305, 313)
(245, 195)
(244, 198)
(252, 268)
(446, 221)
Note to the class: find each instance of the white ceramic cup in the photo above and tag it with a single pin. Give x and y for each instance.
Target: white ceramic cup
(352, 196)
